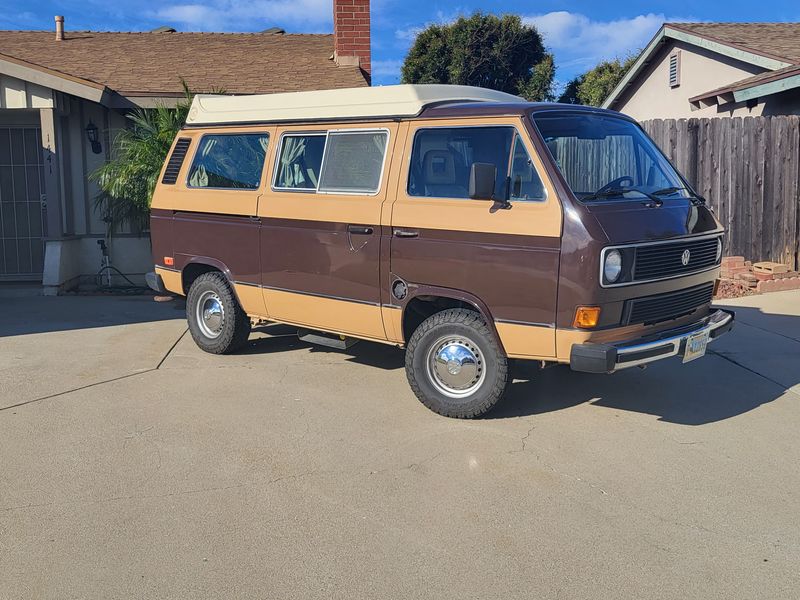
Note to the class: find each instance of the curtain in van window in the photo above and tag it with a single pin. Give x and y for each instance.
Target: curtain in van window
(229, 161)
(291, 173)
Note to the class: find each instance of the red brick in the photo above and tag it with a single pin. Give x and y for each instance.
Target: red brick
(731, 260)
(763, 276)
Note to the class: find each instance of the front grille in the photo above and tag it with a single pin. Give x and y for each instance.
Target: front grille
(665, 260)
(654, 309)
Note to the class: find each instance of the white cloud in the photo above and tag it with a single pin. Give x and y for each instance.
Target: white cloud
(239, 15)
(580, 43)
(409, 34)
(387, 70)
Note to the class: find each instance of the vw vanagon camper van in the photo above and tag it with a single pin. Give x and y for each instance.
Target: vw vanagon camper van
(465, 225)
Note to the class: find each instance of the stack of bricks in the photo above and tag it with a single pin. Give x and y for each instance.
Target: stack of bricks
(759, 277)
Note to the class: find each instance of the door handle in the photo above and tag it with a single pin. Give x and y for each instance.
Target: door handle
(359, 230)
(405, 233)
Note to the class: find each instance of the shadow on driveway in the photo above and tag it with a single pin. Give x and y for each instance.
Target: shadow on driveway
(41, 314)
(719, 386)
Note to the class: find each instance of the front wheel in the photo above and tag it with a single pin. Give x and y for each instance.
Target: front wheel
(217, 322)
(455, 365)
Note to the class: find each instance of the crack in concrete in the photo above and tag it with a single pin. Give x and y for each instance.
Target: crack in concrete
(753, 371)
(96, 383)
(523, 441)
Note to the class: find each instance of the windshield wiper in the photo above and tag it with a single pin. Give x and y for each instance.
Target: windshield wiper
(611, 192)
(694, 197)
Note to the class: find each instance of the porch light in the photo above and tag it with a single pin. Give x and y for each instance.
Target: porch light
(93, 135)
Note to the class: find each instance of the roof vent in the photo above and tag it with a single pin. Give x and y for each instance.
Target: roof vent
(59, 28)
(274, 31)
(163, 29)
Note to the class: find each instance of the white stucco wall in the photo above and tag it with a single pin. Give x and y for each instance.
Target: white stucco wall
(16, 93)
(651, 97)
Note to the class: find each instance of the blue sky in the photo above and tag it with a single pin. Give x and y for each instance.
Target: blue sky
(579, 33)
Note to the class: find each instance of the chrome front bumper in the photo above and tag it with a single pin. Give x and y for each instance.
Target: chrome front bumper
(607, 358)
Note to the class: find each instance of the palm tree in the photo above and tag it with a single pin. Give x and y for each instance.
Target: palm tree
(128, 180)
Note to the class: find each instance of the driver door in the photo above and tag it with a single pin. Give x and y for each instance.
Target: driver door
(507, 258)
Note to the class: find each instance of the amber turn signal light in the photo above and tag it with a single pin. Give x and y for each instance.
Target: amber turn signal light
(586, 317)
(169, 261)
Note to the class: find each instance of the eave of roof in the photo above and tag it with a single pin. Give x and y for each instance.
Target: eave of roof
(763, 84)
(676, 32)
(50, 78)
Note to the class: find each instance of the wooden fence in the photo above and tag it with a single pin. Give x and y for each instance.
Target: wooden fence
(749, 170)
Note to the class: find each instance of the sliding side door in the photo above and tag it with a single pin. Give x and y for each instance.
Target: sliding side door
(320, 228)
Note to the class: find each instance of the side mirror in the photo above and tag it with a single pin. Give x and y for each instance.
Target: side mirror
(482, 177)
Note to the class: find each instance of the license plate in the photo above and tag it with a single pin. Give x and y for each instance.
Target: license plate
(695, 346)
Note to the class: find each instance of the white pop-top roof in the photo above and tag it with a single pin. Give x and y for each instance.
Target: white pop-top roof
(350, 103)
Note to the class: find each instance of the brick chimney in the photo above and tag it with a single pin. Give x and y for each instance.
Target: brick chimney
(351, 34)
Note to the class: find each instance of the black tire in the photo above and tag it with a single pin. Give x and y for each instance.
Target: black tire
(234, 329)
(467, 331)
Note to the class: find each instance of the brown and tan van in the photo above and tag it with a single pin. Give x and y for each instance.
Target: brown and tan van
(466, 225)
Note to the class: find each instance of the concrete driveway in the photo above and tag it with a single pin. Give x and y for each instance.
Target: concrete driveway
(135, 466)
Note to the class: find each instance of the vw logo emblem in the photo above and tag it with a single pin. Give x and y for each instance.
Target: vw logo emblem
(685, 257)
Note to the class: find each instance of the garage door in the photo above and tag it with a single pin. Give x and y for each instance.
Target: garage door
(21, 202)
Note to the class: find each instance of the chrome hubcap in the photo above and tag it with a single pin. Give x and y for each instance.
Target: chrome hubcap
(210, 314)
(455, 366)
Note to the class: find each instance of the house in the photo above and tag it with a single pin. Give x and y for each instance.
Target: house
(714, 70)
(64, 94)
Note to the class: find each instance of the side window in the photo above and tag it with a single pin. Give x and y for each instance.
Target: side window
(353, 161)
(232, 161)
(441, 159)
(300, 162)
(524, 181)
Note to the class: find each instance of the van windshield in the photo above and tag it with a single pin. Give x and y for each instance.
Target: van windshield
(608, 158)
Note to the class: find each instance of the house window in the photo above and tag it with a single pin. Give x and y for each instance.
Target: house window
(675, 69)
(229, 161)
(344, 162)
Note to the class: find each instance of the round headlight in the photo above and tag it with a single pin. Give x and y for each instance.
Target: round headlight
(612, 268)
(719, 249)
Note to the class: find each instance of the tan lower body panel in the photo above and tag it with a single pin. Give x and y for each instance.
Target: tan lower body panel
(328, 314)
(393, 324)
(251, 299)
(172, 280)
(527, 341)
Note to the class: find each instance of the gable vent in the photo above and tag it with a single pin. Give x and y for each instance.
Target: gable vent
(176, 161)
(675, 69)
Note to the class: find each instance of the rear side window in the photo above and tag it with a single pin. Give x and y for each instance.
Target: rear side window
(442, 158)
(353, 162)
(229, 161)
(300, 162)
(332, 162)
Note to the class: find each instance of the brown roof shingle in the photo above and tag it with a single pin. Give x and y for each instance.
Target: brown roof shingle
(775, 40)
(153, 63)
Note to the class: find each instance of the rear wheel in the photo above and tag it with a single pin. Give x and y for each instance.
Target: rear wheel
(455, 365)
(216, 321)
